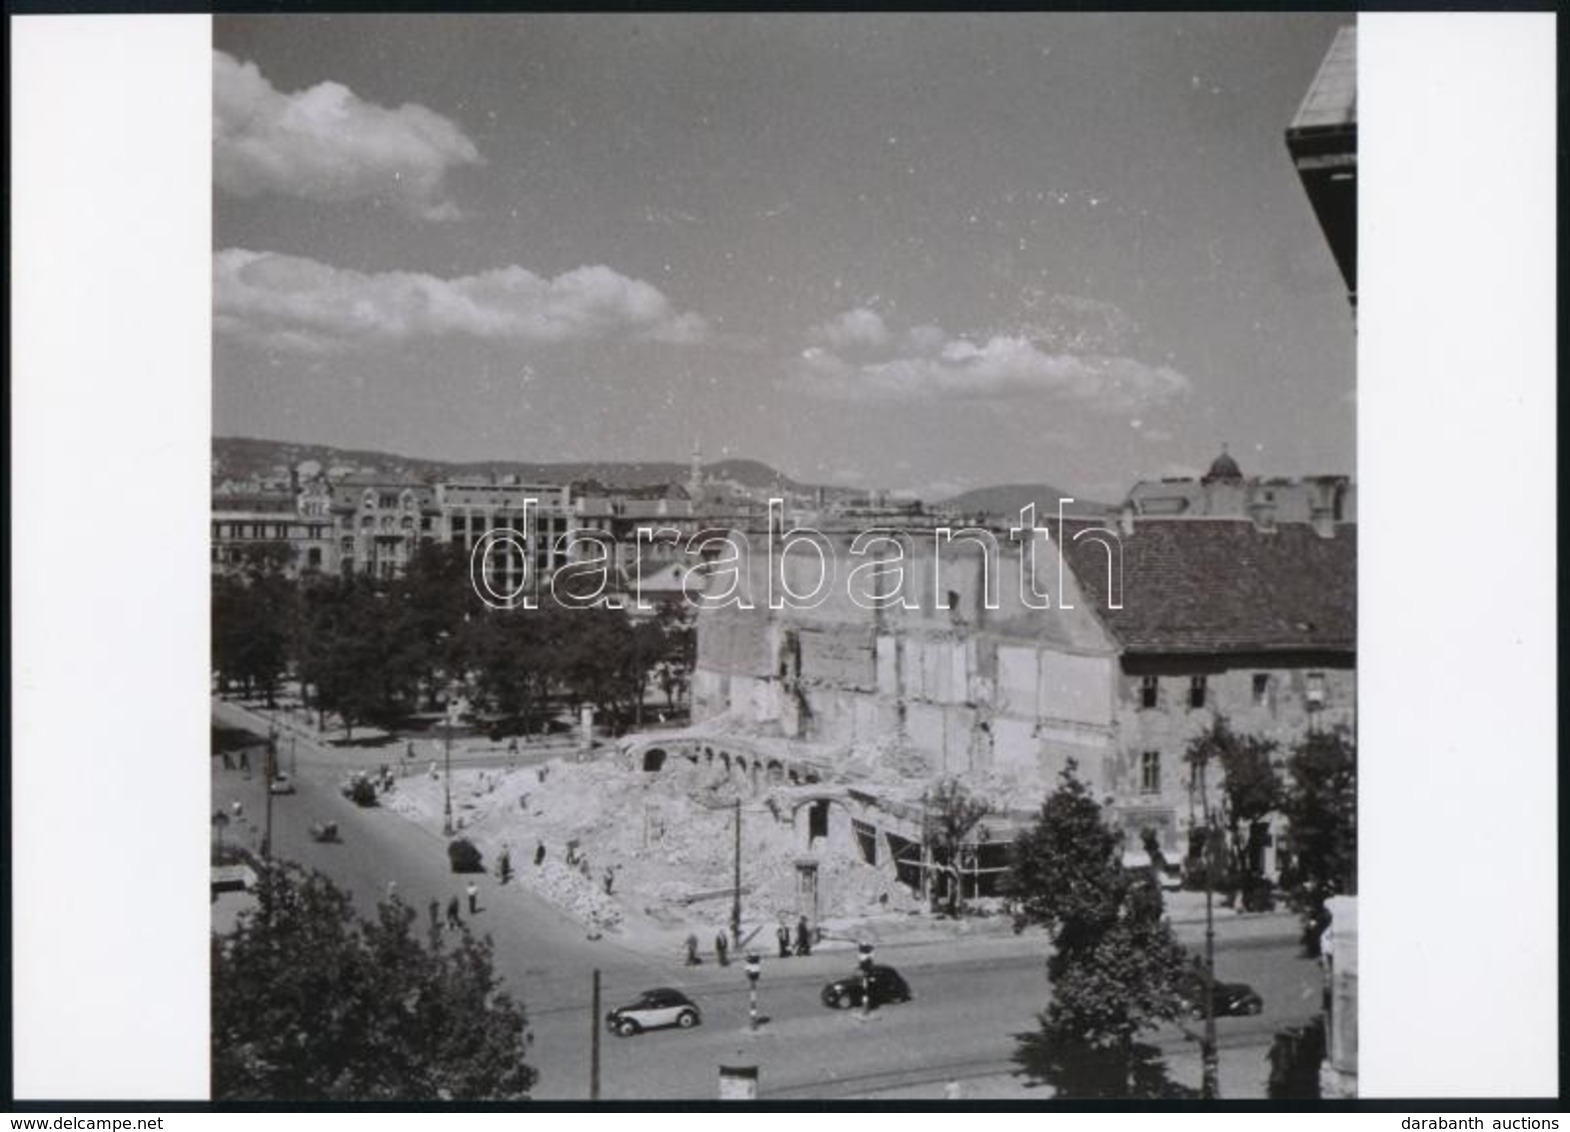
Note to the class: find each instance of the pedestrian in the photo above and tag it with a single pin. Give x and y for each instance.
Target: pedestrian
(454, 920)
(504, 865)
(408, 749)
(610, 879)
(228, 760)
(245, 759)
(235, 808)
(474, 897)
(436, 916)
(539, 854)
(720, 947)
(512, 747)
(803, 937)
(692, 959)
(783, 935)
(392, 890)
(433, 768)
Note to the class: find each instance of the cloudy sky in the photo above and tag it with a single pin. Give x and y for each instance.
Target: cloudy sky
(919, 252)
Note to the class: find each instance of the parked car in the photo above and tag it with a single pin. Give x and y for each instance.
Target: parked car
(662, 1006)
(359, 789)
(886, 984)
(1230, 998)
(281, 784)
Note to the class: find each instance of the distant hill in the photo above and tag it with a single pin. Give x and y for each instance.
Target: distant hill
(241, 457)
(1007, 500)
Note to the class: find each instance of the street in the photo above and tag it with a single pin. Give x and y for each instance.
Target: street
(972, 998)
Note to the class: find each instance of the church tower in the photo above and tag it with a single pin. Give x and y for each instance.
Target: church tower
(695, 473)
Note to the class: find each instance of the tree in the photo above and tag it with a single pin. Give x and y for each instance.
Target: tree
(354, 657)
(1320, 805)
(1116, 969)
(311, 1003)
(1250, 792)
(950, 815)
(252, 616)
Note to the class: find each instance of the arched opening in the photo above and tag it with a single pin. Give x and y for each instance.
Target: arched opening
(776, 772)
(725, 760)
(653, 759)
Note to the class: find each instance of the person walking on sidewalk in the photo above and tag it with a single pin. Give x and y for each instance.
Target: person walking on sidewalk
(454, 920)
(783, 936)
(720, 947)
(474, 897)
(803, 937)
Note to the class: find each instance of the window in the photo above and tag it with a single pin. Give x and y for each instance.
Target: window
(1149, 691)
(1150, 772)
(1315, 691)
(1196, 692)
(817, 821)
(1261, 689)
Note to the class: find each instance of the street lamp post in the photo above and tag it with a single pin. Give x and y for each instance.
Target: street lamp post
(754, 969)
(1210, 1069)
(269, 772)
(447, 773)
(735, 905)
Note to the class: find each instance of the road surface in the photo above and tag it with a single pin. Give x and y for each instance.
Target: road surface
(972, 1000)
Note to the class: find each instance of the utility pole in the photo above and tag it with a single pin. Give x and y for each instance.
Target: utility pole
(735, 905)
(594, 1039)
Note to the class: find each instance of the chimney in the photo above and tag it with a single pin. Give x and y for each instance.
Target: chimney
(1323, 521)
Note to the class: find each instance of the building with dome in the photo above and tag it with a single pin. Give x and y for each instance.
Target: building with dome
(1224, 492)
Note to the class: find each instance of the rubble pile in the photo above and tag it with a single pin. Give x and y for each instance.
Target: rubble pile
(664, 843)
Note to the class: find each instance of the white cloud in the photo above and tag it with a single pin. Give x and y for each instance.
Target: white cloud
(297, 304)
(927, 364)
(327, 144)
(853, 329)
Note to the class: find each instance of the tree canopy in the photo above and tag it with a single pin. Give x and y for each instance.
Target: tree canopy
(1250, 791)
(312, 1003)
(1116, 969)
(1320, 805)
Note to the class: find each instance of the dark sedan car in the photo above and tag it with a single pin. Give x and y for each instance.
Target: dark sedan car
(1230, 998)
(662, 1006)
(887, 986)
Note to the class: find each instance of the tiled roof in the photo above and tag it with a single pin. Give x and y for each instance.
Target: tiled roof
(1225, 586)
(1332, 98)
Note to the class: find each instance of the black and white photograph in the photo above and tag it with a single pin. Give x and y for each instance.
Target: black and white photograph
(809, 558)
(758, 530)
